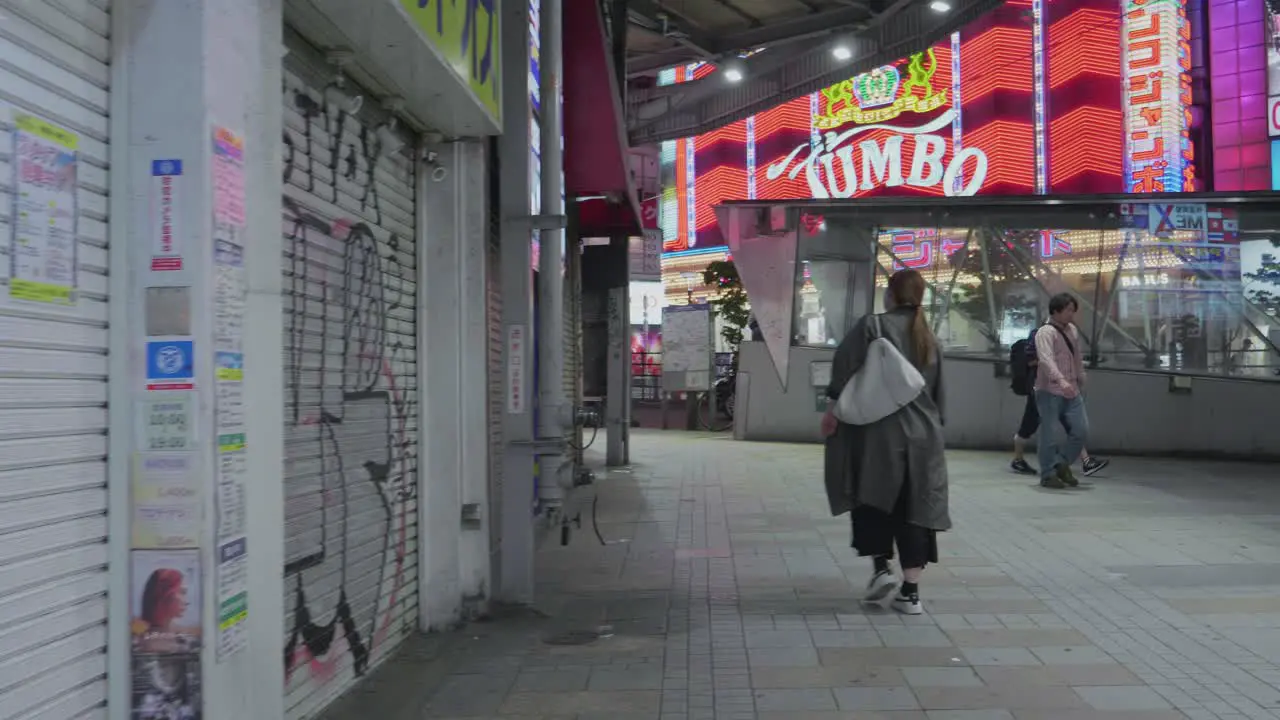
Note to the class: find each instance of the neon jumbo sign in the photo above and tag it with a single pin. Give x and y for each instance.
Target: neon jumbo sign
(881, 164)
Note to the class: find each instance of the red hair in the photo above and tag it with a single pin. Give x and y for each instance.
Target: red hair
(160, 597)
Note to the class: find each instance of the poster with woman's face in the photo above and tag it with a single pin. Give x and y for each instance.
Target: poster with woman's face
(166, 687)
(165, 599)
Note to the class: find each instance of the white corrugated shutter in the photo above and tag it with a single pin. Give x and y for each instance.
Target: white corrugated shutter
(351, 452)
(572, 314)
(497, 371)
(53, 384)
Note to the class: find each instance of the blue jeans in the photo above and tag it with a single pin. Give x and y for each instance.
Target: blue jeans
(1055, 410)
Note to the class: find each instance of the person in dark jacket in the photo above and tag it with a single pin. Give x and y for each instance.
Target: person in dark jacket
(891, 475)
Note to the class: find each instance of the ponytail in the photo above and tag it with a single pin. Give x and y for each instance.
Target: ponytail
(906, 287)
(922, 341)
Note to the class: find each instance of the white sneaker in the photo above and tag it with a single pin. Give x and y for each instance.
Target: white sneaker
(908, 604)
(882, 584)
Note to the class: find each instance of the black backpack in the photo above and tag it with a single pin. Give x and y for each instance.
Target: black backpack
(1021, 357)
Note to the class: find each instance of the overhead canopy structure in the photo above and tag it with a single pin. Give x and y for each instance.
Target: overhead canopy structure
(788, 46)
(596, 158)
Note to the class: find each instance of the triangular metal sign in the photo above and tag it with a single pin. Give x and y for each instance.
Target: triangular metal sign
(767, 266)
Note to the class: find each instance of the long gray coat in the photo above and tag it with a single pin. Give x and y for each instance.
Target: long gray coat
(867, 464)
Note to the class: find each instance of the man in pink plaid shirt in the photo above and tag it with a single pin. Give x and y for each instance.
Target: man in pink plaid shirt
(1059, 393)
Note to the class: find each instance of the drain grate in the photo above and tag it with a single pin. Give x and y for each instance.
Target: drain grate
(573, 637)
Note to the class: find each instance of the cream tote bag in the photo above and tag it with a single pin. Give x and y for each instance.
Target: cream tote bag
(886, 383)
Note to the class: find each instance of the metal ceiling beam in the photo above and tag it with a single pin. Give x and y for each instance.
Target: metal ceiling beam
(687, 51)
(731, 7)
(712, 48)
(804, 26)
(906, 26)
(661, 7)
(660, 19)
(650, 63)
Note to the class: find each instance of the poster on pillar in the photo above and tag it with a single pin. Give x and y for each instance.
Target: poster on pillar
(43, 247)
(166, 686)
(229, 373)
(688, 341)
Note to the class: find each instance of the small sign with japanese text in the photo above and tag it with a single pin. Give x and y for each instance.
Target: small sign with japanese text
(165, 182)
(515, 369)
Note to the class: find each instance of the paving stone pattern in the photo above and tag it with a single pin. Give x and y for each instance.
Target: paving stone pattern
(727, 592)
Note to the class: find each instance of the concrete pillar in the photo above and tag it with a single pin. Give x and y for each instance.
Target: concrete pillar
(514, 577)
(618, 402)
(454, 579)
(614, 266)
(195, 138)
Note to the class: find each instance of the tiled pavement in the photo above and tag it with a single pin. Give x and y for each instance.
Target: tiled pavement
(724, 590)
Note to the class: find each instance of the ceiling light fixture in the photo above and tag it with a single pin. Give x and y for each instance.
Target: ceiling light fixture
(939, 6)
(733, 75)
(842, 52)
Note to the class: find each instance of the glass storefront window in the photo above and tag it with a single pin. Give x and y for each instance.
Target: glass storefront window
(1180, 302)
(833, 284)
(1188, 288)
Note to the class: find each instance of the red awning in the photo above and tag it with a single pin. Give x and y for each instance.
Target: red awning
(595, 135)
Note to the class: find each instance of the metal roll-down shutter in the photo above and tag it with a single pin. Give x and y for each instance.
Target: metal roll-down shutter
(573, 341)
(54, 75)
(497, 374)
(350, 358)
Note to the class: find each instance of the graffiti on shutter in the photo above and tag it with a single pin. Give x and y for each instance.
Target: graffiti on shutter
(351, 405)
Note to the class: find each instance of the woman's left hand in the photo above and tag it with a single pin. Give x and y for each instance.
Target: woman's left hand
(829, 424)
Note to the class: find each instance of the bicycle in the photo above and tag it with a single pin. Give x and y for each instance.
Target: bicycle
(715, 407)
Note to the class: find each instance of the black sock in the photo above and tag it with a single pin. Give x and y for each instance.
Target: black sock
(881, 564)
(909, 589)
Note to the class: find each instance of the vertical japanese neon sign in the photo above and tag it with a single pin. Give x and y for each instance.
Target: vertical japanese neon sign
(815, 106)
(1037, 70)
(1157, 87)
(691, 205)
(957, 125)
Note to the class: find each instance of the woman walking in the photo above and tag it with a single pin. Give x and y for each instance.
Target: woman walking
(891, 475)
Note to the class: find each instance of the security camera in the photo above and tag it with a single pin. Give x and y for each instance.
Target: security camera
(432, 160)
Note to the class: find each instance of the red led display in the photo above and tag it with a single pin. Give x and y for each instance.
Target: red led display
(1086, 125)
(721, 175)
(778, 131)
(997, 87)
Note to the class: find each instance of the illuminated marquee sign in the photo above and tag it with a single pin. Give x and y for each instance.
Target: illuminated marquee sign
(915, 249)
(879, 164)
(1157, 65)
(881, 95)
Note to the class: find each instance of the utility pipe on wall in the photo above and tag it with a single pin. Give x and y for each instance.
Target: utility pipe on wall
(554, 473)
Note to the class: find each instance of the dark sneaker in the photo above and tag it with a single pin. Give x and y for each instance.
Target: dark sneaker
(1093, 464)
(881, 585)
(1065, 475)
(1022, 467)
(908, 604)
(1052, 482)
